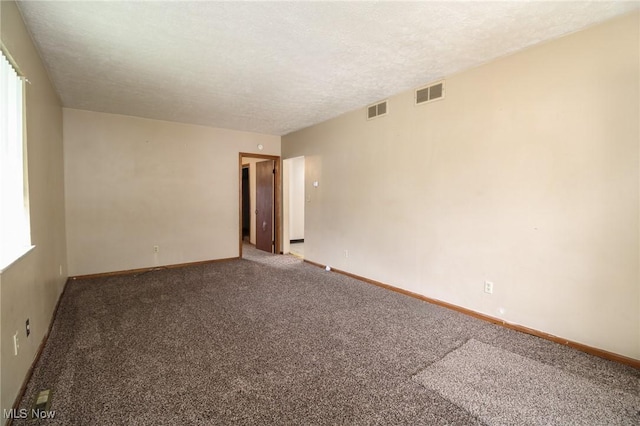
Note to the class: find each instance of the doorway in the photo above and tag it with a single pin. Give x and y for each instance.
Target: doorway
(294, 205)
(246, 204)
(260, 202)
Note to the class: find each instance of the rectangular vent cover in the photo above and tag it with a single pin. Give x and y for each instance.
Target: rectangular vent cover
(430, 93)
(376, 110)
(41, 408)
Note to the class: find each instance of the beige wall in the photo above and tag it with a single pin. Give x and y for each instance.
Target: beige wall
(133, 183)
(526, 175)
(30, 287)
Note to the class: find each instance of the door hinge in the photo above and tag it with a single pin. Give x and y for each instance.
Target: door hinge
(274, 171)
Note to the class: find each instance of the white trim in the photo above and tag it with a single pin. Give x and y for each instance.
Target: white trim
(20, 254)
(12, 61)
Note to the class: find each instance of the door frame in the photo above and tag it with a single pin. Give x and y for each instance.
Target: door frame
(277, 201)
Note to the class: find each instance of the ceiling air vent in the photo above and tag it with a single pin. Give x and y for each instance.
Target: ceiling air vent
(430, 93)
(376, 110)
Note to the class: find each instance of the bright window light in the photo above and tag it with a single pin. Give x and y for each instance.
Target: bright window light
(15, 235)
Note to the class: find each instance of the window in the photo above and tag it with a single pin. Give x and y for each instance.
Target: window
(15, 235)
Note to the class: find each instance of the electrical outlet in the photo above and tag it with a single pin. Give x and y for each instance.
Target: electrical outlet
(28, 328)
(16, 346)
(156, 249)
(346, 253)
(488, 287)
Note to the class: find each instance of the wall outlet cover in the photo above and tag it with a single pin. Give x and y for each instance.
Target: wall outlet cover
(488, 287)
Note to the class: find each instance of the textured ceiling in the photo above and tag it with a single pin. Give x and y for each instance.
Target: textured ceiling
(275, 67)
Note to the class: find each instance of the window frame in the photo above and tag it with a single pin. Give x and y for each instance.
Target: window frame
(25, 243)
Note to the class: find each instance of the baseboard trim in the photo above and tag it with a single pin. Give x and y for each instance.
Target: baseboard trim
(149, 269)
(45, 339)
(579, 346)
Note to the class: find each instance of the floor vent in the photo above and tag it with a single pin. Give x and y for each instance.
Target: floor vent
(376, 110)
(41, 405)
(433, 92)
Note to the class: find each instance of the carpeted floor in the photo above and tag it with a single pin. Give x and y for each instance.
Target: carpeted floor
(270, 340)
(487, 381)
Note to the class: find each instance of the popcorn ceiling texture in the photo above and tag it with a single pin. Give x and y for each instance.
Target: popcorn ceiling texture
(276, 67)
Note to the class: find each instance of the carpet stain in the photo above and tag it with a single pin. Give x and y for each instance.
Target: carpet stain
(503, 388)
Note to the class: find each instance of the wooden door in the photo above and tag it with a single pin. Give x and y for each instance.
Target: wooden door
(264, 205)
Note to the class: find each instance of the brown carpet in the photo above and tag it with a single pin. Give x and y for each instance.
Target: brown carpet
(267, 340)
